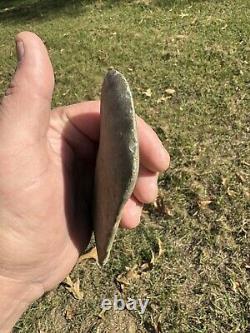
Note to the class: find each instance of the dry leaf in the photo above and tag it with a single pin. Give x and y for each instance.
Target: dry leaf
(231, 193)
(181, 36)
(6, 9)
(143, 2)
(69, 313)
(74, 288)
(246, 193)
(147, 266)
(241, 177)
(147, 93)
(92, 254)
(134, 273)
(203, 204)
(162, 208)
(170, 91)
(162, 99)
(223, 181)
(245, 163)
(152, 261)
(182, 15)
(127, 277)
(235, 286)
(101, 314)
(160, 247)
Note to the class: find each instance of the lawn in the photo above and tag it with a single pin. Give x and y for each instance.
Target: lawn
(188, 66)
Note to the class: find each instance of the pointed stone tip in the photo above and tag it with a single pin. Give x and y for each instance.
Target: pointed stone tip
(112, 71)
(102, 261)
(115, 80)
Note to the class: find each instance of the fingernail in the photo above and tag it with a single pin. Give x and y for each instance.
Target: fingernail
(165, 158)
(20, 50)
(165, 152)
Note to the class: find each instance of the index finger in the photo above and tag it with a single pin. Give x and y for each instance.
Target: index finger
(86, 117)
(153, 155)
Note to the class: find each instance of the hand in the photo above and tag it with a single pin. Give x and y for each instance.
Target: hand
(46, 164)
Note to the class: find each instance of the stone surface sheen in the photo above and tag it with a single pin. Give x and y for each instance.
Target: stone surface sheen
(117, 160)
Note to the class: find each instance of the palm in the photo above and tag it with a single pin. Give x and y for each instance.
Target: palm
(48, 220)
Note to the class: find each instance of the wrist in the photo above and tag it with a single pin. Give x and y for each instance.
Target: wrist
(15, 298)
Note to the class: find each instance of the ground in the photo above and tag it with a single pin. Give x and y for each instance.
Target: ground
(188, 66)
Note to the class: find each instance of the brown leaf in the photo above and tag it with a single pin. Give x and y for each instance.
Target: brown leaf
(147, 93)
(127, 277)
(162, 208)
(170, 91)
(160, 248)
(241, 176)
(203, 204)
(246, 193)
(69, 313)
(101, 315)
(181, 36)
(91, 254)
(245, 163)
(182, 15)
(74, 288)
(152, 261)
(231, 193)
(162, 99)
(143, 2)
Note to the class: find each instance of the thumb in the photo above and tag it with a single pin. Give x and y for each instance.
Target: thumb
(25, 109)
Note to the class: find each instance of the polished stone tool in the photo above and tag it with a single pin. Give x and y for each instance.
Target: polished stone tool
(117, 160)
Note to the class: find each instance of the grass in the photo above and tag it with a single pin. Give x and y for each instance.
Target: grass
(199, 49)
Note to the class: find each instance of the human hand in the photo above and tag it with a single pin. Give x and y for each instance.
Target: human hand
(46, 166)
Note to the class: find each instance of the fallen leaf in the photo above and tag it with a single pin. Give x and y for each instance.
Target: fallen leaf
(241, 177)
(181, 36)
(147, 93)
(101, 315)
(160, 247)
(74, 288)
(69, 313)
(135, 272)
(223, 181)
(132, 273)
(162, 208)
(143, 2)
(235, 285)
(203, 204)
(182, 15)
(127, 277)
(170, 91)
(147, 266)
(245, 163)
(92, 254)
(7, 9)
(152, 261)
(246, 193)
(162, 99)
(231, 193)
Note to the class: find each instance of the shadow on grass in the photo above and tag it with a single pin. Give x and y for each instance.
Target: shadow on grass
(26, 10)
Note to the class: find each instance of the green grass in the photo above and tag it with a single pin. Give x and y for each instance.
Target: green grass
(201, 50)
